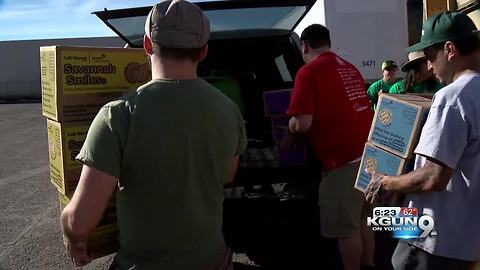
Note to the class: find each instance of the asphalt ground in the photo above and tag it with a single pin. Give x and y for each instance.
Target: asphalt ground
(30, 234)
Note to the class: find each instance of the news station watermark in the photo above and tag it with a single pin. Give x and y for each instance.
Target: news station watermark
(403, 222)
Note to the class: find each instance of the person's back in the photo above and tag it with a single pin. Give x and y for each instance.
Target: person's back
(170, 147)
(343, 113)
(330, 105)
(179, 137)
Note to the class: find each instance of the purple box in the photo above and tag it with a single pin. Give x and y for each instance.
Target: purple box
(276, 102)
(279, 127)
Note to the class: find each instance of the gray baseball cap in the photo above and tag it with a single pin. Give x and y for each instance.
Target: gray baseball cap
(177, 24)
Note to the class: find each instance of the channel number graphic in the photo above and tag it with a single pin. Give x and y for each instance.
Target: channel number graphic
(403, 222)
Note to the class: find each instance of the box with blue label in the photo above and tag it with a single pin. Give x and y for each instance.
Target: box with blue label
(380, 161)
(398, 122)
(276, 102)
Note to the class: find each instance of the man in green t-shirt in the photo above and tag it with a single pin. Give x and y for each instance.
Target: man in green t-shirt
(389, 72)
(169, 147)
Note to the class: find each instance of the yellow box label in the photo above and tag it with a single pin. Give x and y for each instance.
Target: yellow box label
(75, 137)
(102, 71)
(49, 97)
(55, 154)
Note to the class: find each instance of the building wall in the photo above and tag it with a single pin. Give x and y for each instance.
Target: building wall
(20, 63)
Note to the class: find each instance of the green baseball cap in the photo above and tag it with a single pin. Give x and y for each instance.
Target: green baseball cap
(388, 63)
(443, 27)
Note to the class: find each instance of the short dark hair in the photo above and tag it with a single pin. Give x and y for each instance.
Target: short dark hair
(465, 46)
(316, 35)
(177, 53)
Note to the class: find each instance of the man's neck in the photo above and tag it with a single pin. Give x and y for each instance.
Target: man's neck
(173, 69)
(392, 80)
(314, 53)
(467, 64)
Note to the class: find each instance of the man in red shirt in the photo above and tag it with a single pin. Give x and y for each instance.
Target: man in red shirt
(330, 106)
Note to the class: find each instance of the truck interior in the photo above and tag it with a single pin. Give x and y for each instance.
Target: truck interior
(252, 49)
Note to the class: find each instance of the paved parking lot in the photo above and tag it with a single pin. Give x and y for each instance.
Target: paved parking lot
(30, 235)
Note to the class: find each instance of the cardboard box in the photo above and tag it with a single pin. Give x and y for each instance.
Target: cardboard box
(64, 143)
(380, 161)
(104, 241)
(78, 81)
(276, 102)
(398, 122)
(279, 127)
(424, 95)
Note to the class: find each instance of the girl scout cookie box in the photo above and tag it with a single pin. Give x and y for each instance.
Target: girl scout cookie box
(64, 143)
(398, 122)
(78, 81)
(104, 240)
(380, 161)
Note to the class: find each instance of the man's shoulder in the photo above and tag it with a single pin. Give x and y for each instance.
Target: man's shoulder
(463, 90)
(122, 106)
(399, 84)
(329, 62)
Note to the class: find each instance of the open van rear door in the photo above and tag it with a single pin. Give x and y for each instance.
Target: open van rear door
(223, 15)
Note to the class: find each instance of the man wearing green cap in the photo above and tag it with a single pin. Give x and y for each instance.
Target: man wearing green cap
(169, 147)
(446, 181)
(389, 72)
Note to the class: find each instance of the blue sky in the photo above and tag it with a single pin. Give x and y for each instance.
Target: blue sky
(42, 19)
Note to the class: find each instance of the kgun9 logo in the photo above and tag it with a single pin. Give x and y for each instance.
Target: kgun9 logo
(403, 222)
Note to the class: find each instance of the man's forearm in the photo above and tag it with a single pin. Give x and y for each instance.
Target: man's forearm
(419, 181)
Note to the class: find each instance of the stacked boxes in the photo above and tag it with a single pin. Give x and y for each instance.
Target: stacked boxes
(393, 136)
(76, 83)
(276, 105)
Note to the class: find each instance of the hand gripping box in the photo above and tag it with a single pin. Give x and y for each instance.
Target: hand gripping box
(64, 143)
(78, 81)
(380, 161)
(398, 123)
(104, 240)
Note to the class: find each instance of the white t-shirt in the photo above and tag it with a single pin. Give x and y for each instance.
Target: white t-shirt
(451, 135)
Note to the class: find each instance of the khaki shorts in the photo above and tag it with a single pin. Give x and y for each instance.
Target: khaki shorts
(340, 204)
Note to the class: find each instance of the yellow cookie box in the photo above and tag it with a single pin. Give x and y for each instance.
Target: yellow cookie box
(78, 81)
(64, 143)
